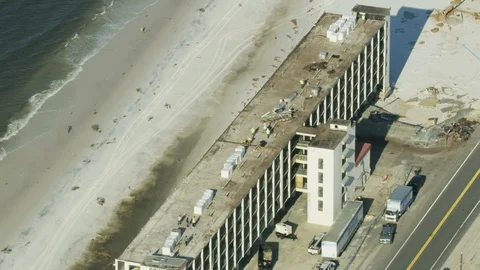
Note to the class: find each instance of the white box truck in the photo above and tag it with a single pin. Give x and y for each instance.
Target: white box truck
(398, 202)
(342, 230)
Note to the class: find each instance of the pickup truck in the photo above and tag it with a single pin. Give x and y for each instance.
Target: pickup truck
(315, 245)
(387, 234)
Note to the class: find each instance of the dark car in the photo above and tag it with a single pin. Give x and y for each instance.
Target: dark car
(387, 234)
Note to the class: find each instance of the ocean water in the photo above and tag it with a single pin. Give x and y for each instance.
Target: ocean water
(43, 45)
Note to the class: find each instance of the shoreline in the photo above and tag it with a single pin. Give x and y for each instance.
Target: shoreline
(58, 222)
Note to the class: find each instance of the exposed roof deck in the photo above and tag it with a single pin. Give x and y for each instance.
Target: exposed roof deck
(206, 175)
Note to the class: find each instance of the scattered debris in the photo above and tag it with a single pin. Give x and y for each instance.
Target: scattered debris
(86, 161)
(460, 130)
(150, 118)
(315, 66)
(69, 129)
(96, 127)
(6, 250)
(435, 30)
(75, 188)
(101, 200)
(201, 10)
(168, 106)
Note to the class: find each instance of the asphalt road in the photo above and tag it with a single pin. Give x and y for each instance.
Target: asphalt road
(427, 242)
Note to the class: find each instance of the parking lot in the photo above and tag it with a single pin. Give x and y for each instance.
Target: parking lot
(392, 169)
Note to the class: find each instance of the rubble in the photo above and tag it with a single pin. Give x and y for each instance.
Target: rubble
(100, 200)
(460, 130)
(315, 66)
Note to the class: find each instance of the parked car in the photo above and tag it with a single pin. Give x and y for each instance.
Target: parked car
(388, 233)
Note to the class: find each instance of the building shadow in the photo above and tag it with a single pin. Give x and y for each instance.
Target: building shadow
(367, 203)
(373, 128)
(417, 182)
(405, 29)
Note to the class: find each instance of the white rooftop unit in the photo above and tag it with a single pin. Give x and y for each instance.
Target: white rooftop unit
(167, 250)
(342, 34)
(227, 171)
(204, 202)
(232, 160)
(241, 150)
(171, 242)
(340, 29)
(237, 158)
(334, 37)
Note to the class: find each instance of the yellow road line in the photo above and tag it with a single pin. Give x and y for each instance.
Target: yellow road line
(443, 220)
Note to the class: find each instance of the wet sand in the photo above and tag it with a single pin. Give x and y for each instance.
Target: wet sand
(205, 60)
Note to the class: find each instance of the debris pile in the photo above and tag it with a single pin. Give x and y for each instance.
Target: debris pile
(101, 200)
(460, 130)
(315, 66)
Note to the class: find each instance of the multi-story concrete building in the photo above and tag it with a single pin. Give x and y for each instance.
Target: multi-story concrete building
(269, 174)
(335, 170)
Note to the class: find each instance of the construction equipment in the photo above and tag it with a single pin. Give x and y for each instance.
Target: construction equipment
(284, 230)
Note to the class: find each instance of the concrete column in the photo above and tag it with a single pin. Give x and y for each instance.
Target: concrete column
(243, 222)
(274, 168)
(358, 81)
(202, 259)
(332, 102)
(289, 182)
(324, 110)
(386, 55)
(365, 62)
(352, 90)
(194, 266)
(210, 256)
(338, 101)
(235, 235)
(371, 66)
(282, 173)
(310, 120)
(227, 243)
(345, 101)
(219, 251)
(265, 191)
(377, 73)
(250, 240)
(258, 210)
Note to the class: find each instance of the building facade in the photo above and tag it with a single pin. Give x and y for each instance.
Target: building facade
(302, 165)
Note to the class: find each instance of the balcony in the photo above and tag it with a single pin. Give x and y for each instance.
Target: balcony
(347, 167)
(300, 159)
(301, 172)
(302, 145)
(347, 152)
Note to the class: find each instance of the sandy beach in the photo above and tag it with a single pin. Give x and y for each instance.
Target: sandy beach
(160, 96)
(149, 105)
